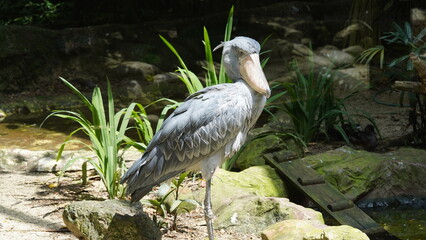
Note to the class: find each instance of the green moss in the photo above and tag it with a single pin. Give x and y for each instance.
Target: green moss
(252, 214)
(357, 172)
(228, 186)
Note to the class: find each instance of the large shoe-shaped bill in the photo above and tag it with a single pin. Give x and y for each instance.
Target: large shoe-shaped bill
(252, 73)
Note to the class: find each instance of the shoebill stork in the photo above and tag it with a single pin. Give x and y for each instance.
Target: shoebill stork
(209, 127)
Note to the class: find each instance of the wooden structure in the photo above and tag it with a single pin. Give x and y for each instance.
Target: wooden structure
(416, 87)
(328, 198)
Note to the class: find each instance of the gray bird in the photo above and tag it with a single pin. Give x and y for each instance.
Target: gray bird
(209, 127)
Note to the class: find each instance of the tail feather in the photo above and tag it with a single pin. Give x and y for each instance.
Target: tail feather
(137, 188)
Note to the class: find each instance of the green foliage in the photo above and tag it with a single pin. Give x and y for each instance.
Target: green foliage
(311, 104)
(162, 194)
(367, 55)
(403, 36)
(37, 12)
(313, 108)
(106, 131)
(191, 81)
(189, 78)
(143, 125)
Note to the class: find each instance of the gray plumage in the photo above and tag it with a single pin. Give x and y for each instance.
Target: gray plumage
(206, 129)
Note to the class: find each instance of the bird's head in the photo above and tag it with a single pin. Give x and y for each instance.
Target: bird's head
(241, 61)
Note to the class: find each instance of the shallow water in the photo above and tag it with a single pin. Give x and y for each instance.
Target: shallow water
(405, 223)
(29, 134)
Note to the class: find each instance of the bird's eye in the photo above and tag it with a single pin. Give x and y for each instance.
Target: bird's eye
(241, 52)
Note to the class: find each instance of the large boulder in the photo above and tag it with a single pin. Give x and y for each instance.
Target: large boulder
(249, 201)
(111, 219)
(349, 80)
(371, 176)
(251, 214)
(228, 186)
(338, 57)
(310, 230)
(134, 69)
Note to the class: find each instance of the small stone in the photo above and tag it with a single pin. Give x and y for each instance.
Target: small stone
(136, 69)
(117, 35)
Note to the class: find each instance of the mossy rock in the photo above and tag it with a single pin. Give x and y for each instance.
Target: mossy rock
(111, 219)
(251, 214)
(358, 173)
(227, 186)
(310, 230)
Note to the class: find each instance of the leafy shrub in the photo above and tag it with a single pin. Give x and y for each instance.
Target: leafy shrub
(313, 108)
(34, 12)
(401, 36)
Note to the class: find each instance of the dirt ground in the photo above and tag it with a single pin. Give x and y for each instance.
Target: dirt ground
(31, 204)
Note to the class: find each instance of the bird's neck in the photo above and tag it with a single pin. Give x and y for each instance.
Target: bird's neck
(254, 100)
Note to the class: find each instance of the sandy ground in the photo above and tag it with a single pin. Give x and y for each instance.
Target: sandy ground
(32, 205)
(30, 209)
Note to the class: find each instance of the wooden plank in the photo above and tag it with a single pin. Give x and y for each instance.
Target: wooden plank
(326, 196)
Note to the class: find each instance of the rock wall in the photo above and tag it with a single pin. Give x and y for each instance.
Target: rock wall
(134, 58)
(33, 58)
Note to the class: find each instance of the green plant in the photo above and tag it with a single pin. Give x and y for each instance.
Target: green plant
(189, 78)
(143, 125)
(176, 206)
(314, 109)
(106, 131)
(38, 12)
(402, 36)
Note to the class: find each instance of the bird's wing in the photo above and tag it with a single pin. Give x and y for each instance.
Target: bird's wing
(199, 127)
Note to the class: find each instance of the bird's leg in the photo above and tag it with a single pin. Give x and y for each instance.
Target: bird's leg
(208, 213)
